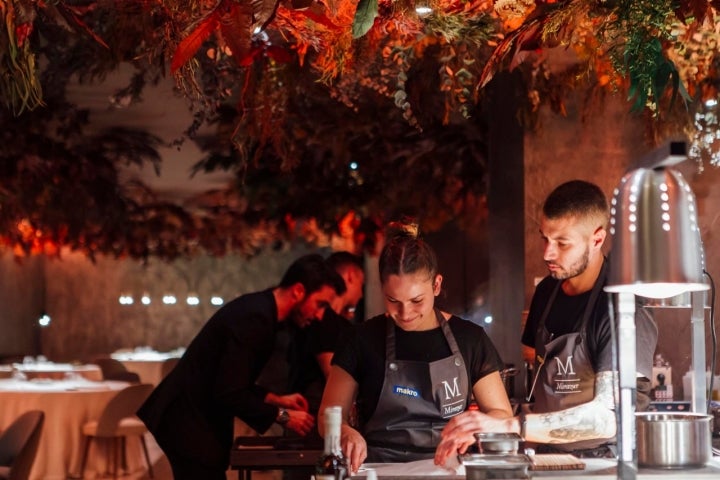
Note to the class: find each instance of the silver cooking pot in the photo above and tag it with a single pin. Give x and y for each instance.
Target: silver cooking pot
(673, 440)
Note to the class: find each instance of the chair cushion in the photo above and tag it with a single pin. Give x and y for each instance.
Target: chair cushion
(89, 428)
(131, 426)
(127, 426)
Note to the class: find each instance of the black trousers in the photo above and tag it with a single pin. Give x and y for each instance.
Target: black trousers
(186, 469)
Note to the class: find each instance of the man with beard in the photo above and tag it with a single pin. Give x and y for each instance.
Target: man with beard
(311, 349)
(568, 338)
(191, 411)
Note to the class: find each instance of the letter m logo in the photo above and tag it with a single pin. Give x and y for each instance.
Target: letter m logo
(451, 390)
(567, 368)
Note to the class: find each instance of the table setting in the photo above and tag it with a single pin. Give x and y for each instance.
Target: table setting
(41, 368)
(68, 403)
(151, 365)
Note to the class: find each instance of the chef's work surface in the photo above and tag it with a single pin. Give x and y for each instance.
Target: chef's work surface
(595, 469)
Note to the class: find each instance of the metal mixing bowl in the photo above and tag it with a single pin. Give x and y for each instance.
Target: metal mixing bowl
(498, 443)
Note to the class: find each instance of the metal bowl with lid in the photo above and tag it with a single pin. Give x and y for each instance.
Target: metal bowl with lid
(498, 443)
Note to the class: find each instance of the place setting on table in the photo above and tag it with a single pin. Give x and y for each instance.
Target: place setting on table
(41, 368)
(150, 364)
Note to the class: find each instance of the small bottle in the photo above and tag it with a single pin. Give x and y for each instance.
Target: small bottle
(332, 464)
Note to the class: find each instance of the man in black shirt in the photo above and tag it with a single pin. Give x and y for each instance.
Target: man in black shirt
(311, 349)
(568, 331)
(568, 337)
(191, 412)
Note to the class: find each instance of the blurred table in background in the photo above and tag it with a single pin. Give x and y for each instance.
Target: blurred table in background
(55, 371)
(152, 366)
(67, 404)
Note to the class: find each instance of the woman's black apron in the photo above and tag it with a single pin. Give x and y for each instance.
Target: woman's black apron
(416, 401)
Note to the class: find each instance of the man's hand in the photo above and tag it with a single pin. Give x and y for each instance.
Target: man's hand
(353, 446)
(293, 401)
(300, 422)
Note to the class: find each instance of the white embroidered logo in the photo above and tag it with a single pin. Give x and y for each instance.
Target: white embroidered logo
(567, 368)
(451, 391)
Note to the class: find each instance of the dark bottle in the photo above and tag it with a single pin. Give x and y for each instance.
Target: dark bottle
(332, 464)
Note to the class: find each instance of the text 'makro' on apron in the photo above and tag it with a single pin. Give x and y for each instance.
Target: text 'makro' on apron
(416, 401)
(566, 373)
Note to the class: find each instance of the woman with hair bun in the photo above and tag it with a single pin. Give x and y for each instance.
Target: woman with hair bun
(412, 368)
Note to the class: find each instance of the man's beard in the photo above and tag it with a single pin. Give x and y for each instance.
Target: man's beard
(573, 270)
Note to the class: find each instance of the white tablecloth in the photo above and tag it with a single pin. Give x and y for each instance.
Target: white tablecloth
(146, 363)
(67, 404)
(58, 371)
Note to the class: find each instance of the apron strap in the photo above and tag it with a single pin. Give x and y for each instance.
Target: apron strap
(391, 352)
(589, 307)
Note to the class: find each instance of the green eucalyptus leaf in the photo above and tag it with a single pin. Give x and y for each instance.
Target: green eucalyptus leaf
(364, 19)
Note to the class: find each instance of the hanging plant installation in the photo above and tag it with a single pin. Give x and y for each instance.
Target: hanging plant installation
(267, 72)
(347, 42)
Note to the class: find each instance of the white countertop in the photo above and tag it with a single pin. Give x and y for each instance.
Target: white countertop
(595, 468)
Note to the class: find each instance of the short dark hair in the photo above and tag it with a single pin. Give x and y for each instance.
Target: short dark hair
(339, 261)
(313, 272)
(405, 253)
(580, 199)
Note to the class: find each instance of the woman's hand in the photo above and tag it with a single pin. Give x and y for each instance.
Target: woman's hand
(460, 431)
(353, 446)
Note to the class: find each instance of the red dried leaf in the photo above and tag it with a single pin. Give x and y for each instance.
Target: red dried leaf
(693, 8)
(319, 18)
(189, 45)
(250, 57)
(526, 37)
(263, 12)
(235, 26)
(279, 54)
(71, 17)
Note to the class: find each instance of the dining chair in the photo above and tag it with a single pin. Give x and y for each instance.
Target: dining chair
(117, 421)
(115, 370)
(19, 445)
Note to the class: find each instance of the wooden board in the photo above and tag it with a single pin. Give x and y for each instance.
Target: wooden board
(555, 461)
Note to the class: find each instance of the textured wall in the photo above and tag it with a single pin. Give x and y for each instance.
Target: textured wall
(88, 320)
(22, 291)
(598, 149)
(674, 324)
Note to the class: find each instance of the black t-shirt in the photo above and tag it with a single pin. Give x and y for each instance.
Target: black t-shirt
(363, 354)
(305, 344)
(565, 317)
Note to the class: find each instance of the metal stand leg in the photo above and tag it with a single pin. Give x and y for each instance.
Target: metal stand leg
(627, 458)
(697, 319)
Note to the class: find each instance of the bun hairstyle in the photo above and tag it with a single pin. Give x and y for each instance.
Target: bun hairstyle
(405, 228)
(405, 253)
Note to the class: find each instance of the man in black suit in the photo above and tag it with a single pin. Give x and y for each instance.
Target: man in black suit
(191, 412)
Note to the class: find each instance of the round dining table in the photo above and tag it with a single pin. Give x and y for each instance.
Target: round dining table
(58, 371)
(67, 404)
(148, 364)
